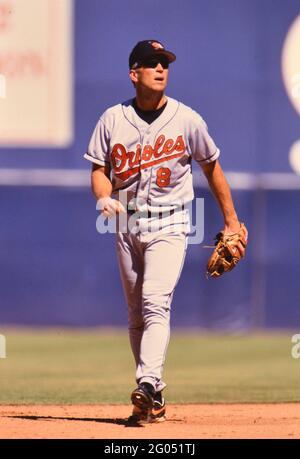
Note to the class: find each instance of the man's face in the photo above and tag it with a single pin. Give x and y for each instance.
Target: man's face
(151, 74)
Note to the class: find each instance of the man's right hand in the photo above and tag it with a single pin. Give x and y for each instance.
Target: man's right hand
(110, 207)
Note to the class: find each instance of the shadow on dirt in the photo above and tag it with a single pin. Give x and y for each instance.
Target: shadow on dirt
(117, 421)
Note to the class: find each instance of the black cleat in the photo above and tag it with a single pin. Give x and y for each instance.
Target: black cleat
(144, 413)
(143, 396)
(158, 412)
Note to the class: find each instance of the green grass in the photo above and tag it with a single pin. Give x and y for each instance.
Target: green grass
(65, 366)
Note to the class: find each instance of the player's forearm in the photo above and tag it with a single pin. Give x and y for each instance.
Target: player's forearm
(220, 188)
(101, 184)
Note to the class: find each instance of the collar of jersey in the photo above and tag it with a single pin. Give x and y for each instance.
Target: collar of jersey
(141, 125)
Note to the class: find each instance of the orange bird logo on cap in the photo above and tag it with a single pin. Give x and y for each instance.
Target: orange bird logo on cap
(157, 45)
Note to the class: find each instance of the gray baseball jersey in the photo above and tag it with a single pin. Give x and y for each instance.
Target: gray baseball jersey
(152, 163)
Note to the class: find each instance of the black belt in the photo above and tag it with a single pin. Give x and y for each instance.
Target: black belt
(149, 214)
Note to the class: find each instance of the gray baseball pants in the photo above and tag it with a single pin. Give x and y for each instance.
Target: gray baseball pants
(150, 267)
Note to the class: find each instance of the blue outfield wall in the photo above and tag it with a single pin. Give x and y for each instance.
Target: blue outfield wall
(228, 68)
(57, 270)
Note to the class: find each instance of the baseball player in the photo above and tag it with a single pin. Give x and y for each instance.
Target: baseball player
(143, 148)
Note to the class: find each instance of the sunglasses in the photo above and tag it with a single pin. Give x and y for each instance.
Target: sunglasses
(153, 63)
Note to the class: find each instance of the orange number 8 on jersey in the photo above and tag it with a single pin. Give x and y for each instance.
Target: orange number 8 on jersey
(163, 176)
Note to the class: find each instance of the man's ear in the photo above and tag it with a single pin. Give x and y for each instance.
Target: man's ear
(133, 76)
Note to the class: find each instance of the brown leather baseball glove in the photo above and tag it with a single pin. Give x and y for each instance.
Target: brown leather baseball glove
(229, 250)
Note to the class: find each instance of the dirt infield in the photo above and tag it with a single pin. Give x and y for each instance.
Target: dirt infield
(184, 421)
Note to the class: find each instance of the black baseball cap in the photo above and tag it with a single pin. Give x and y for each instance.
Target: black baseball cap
(146, 49)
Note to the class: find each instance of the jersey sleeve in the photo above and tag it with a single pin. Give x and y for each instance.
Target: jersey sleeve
(203, 148)
(98, 149)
